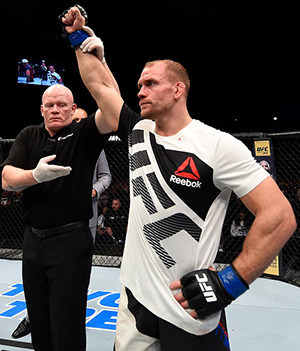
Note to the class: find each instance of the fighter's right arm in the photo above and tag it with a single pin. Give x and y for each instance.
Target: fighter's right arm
(98, 81)
(97, 78)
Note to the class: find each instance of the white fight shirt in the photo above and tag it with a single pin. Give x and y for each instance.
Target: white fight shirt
(179, 191)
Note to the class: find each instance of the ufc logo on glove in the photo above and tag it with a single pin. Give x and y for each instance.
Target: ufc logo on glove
(207, 290)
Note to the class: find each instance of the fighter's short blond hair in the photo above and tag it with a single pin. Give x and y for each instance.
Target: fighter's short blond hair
(176, 72)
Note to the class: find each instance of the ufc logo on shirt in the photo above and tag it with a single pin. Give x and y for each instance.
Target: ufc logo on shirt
(207, 290)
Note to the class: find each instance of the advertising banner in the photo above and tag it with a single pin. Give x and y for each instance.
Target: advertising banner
(264, 154)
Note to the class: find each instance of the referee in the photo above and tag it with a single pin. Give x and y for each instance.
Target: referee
(53, 163)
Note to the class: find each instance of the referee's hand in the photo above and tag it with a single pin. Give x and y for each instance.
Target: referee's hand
(93, 43)
(45, 172)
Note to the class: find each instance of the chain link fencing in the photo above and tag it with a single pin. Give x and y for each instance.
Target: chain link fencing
(108, 247)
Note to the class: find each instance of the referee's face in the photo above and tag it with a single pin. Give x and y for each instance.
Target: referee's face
(57, 108)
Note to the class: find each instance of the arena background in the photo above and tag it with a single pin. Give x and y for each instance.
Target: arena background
(242, 56)
(243, 61)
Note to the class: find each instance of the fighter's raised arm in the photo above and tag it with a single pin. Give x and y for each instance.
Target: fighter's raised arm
(94, 71)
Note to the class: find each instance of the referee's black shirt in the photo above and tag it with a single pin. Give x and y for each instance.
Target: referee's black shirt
(65, 199)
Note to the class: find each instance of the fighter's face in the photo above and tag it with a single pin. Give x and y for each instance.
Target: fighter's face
(156, 92)
(57, 110)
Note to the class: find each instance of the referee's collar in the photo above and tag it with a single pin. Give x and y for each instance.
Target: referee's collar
(61, 131)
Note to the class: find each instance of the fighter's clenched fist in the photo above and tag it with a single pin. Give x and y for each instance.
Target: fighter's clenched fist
(73, 19)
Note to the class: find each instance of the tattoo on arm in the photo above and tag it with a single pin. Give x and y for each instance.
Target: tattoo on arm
(13, 188)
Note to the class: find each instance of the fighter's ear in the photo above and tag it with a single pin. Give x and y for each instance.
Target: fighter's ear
(180, 89)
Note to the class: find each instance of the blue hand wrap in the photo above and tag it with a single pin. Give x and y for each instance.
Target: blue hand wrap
(76, 38)
(234, 284)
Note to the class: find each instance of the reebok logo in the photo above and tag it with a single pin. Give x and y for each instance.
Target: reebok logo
(188, 170)
(185, 182)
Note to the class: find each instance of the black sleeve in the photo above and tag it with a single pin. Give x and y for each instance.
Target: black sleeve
(128, 119)
(18, 155)
(91, 136)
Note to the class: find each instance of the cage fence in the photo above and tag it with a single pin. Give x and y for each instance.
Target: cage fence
(112, 224)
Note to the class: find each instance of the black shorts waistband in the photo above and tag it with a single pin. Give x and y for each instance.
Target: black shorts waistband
(46, 233)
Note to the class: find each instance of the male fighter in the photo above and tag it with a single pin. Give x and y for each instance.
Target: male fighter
(182, 173)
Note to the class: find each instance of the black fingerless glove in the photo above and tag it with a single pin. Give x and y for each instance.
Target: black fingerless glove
(208, 292)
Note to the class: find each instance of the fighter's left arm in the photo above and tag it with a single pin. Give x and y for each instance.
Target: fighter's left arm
(207, 292)
(274, 224)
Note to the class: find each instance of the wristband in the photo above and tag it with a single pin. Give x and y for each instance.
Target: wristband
(76, 38)
(234, 284)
